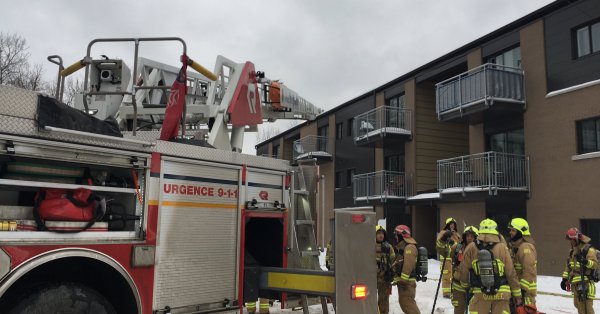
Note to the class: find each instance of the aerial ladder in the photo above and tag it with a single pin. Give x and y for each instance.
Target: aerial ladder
(220, 106)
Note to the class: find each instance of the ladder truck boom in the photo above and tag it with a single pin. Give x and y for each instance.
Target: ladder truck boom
(222, 104)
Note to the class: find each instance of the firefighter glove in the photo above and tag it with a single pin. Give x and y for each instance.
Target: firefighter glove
(563, 284)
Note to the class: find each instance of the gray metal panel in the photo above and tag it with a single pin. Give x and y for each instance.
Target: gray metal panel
(197, 238)
(394, 90)
(563, 69)
(220, 156)
(352, 268)
(259, 181)
(441, 68)
(500, 44)
(350, 156)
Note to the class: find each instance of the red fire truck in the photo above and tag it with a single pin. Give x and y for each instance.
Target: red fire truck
(165, 226)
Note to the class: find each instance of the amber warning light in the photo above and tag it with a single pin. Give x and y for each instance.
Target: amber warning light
(358, 219)
(359, 292)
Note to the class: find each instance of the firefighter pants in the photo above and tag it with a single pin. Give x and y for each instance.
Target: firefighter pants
(447, 278)
(263, 306)
(383, 296)
(459, 301)
(580, 302)
(406, 297)
(481, 305)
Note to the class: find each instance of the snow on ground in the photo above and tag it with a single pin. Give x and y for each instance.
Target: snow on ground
(551, 299)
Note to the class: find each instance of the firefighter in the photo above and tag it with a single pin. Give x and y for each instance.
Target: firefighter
(459, 294)
(263, 306)
(404, 268)
(262, 302)
(493, 278)
(582, 262)
(447, 240)
(385, 257)
(524, 257)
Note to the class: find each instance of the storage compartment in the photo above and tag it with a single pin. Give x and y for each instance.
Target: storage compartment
(263, 247)
(23, 179)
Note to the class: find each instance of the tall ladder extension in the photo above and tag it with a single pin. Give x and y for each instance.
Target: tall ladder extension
(304, 250)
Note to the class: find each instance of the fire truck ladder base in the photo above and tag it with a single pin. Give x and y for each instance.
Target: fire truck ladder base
(307, 279)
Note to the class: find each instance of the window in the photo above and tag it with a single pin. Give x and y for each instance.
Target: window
(397, 102)
(591, 228)
(323, 131)
(394, 117)
(394, 163)
(510, 58)
(587, 39)
(321, 144)
(350, 176)
(588, 136)
(338, 179)
(350, 127)
(339, 131)
(512, 142)
(276, 151)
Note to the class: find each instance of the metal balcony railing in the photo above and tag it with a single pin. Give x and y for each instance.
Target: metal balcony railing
(312, 147)
(381, 121)
(489, 171)
(381, 186)
(485, 84)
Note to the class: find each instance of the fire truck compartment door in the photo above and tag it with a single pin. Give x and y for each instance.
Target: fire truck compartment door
(265, 186)
(354, 258)
(198, 234)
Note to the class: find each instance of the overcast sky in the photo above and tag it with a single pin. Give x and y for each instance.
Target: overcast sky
(328, 51)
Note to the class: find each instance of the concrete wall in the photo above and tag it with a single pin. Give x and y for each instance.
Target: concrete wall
(472, 213)
(563, 190)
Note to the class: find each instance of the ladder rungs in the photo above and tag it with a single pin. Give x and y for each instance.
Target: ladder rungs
(309, 253)
(304, 222)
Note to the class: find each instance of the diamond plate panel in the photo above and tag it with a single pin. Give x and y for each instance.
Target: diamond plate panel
(17, 102)
(18, 110)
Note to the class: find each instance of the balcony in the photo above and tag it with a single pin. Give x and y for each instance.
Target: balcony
(312, 147)
(489, 172)
(381, 186)
(490, 86)
(382, 123)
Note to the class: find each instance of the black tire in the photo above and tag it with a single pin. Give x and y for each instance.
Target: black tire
(63, 298)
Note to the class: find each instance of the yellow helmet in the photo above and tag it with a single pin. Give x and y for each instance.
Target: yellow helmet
(449, 220)
(379, 228)
(521, 225)
(488, 226)
(472, 229)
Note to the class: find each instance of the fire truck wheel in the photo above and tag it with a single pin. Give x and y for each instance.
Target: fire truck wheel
(66, 298)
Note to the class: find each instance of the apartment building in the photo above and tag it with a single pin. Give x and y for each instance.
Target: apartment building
(505, 126)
